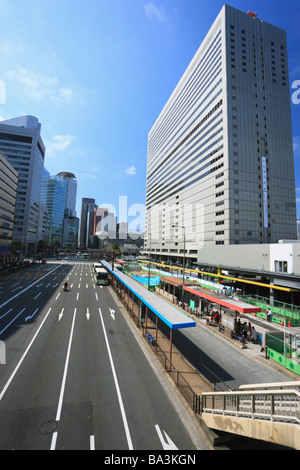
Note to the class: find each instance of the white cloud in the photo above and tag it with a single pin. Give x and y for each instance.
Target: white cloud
(66, 94)
(152, 12)
(40, 87)
(88, 175)
(296, 145)
(59, 143)
(131, 170)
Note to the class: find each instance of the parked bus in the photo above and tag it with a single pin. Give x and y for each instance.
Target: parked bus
(100, 275)
(119, 267)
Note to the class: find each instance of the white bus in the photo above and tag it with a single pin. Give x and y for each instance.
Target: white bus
(119, 266)
(100, 275)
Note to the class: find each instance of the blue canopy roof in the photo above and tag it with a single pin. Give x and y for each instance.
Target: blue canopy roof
(170, 315)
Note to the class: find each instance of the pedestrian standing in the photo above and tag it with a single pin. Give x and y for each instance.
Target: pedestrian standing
(254, 335)
(245, 330)
(249, 331)
(238, 327)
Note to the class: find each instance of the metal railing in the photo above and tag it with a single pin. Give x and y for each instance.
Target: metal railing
(275, 405)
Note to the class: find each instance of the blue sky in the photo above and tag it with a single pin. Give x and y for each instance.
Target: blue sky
(97, 73)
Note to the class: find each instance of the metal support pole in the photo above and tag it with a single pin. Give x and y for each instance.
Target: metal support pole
(171, 340)
(156, 334)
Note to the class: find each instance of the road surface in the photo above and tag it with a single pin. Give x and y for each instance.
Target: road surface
(75, 376)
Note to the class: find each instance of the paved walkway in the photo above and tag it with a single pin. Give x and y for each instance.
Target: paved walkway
(253, 351)
(183, 373)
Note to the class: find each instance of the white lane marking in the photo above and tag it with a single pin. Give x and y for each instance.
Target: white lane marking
(23, 357)
(125, 423)
(6, 313)
(17, 288)
(37, 296)
(31, 316)
(53, 441)
(166, 442)
(12, 321)
(92, 442)
(64, 379)
(112, 313)
(61, 314)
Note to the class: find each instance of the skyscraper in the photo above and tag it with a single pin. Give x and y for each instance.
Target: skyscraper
(71, 190)
(8, 195)
(21, 143)
(220, 167)
(86, 221)
(59, 196)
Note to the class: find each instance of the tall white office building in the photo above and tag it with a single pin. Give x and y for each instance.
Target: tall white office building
(220, 166)
(22, 144)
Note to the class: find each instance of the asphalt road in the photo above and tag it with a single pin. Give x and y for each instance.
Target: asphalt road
(75, 376)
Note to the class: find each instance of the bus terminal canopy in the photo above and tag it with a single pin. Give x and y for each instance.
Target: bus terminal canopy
(234, 304)
(170, 315)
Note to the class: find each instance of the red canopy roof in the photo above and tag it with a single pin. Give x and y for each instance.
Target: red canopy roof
(223, 300)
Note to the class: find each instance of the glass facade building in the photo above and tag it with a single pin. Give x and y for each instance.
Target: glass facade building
(21, 143)
(59, 196)
(54, 190)
(220, 167)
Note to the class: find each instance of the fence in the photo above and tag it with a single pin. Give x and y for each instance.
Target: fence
(284, 348)
(280, 310)
(274, 405)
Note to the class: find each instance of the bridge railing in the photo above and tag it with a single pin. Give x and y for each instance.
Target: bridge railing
(272, 404)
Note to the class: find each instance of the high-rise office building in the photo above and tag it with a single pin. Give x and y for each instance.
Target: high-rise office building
(8, 195)
(54, 197)
(86, 221)
(21, 143)
(59, 196)
(220, 167)
(71, 190)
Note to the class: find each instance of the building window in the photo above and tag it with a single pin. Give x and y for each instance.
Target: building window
(280, 266)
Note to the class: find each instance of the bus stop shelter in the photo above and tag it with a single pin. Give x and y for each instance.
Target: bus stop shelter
(147, 301)
(222, 300)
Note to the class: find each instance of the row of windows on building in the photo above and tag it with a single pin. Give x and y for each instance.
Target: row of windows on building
(274, 70)
(194, 87)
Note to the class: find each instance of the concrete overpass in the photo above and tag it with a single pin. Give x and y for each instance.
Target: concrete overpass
(268, 412)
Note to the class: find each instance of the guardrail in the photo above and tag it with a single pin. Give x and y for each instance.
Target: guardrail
(272, 405)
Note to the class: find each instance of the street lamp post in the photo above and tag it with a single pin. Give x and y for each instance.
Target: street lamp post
(183, 267)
